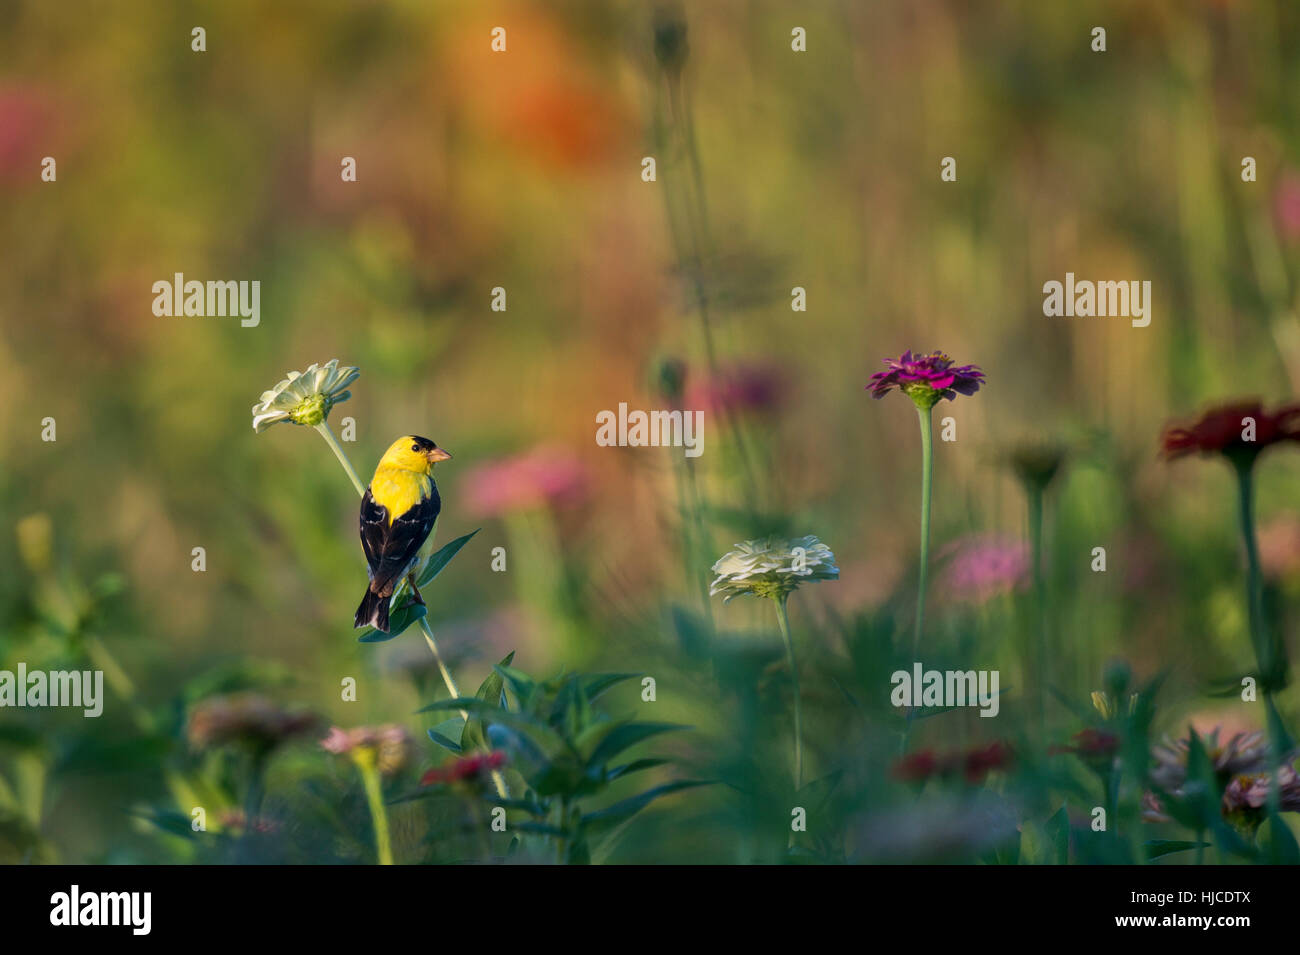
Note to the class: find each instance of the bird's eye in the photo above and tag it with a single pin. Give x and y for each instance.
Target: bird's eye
(415, 448)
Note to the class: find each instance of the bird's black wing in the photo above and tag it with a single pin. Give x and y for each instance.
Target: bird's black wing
(390, 548)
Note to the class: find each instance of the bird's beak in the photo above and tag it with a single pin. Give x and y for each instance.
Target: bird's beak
(436, 455)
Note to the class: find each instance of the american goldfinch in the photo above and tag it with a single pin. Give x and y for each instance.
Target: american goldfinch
(398, 511)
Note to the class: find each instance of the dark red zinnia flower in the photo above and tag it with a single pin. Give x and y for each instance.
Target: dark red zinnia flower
(1090, 744)
(1241, 429)
(916, 767)
(973, 764)
(926, 377)
(979, 762)
(466, 767)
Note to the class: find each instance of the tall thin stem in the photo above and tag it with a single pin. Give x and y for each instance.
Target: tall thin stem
(1264, 654)
(333, 442)
(783, 619)
(1254, 578)
(375, 799)
(927, 470)
(1034, 492)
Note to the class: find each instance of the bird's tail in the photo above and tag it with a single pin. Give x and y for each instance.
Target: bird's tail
(373, 612)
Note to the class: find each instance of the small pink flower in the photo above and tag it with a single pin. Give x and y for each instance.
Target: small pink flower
(24, 121)
(391, 743)
(982, 567)
(544, 476)
(1286, 205)
(1250, 791)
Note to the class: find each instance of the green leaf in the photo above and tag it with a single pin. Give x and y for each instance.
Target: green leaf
(526, 805)
(1281, 844)
(1155, 848)
(627, 808)
(636, 766)
(178, 824)
(489, 691)
(540, 828)
(1276, 728)
(398, 621)
(522, 684)
(444, 741)
(1058, 830)
(598, 683)
(625, 736)
(442, 558)
(495, 714)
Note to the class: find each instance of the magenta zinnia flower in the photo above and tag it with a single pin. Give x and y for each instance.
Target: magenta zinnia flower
(926, 378)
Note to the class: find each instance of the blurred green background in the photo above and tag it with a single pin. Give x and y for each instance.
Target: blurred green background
(522, 170)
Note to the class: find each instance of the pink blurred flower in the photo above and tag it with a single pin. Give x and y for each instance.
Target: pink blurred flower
(24, 120)
(1279, 547)
(1286, 205)
(391, 744)
(748, 387)
(982, 567)
(245, 718)
(541, 477)
(1249, 791)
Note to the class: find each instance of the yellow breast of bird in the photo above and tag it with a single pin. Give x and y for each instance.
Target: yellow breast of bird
(399, 490)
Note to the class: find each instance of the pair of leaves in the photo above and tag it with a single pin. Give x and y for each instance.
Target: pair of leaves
(409, 611)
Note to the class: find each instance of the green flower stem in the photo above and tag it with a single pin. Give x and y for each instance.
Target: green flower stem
(784, 620)
(1034, 493)
(497, 778)
(1264, 655)
(333, 442)
(364, 757)
(927, 471)
(256, 790)
(1254, 578)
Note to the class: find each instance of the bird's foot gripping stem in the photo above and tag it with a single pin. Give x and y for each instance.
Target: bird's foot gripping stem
(415, 591)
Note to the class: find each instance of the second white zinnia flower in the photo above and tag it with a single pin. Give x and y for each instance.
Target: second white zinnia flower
(772, 567)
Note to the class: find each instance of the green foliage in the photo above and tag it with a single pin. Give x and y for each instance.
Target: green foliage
(566, 753)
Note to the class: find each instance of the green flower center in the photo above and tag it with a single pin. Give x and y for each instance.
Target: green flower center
(313, 410)
(922, 395)
(772, 586)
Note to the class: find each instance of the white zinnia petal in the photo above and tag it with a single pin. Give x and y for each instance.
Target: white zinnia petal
(772, 567)
(304, 397)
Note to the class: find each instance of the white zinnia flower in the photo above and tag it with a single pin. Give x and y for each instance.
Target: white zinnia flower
(772, 567)
(306, 397)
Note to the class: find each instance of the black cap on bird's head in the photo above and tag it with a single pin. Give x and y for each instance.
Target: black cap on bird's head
(429, 449)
